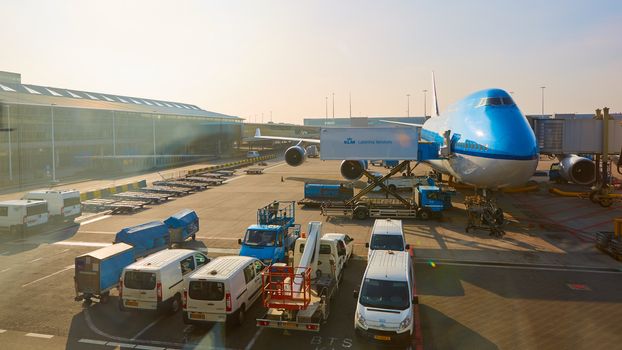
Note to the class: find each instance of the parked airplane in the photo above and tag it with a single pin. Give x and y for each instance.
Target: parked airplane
(491, 143)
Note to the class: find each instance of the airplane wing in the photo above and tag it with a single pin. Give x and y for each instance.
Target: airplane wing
(283, 138)
(402, 123)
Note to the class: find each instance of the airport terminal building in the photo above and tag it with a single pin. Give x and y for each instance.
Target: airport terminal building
(49, 134)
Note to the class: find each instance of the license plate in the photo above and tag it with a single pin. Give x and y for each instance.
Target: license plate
(131, 303)
(382, 337)
(288, 325)
(197, 315)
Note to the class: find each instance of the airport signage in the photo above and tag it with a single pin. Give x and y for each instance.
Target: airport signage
(387, 143)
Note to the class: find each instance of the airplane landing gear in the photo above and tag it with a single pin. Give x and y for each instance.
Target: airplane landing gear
(484, 214)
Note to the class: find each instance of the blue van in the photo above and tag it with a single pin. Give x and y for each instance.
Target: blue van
(183, 225)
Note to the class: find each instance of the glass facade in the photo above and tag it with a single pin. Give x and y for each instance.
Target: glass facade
(39, 143)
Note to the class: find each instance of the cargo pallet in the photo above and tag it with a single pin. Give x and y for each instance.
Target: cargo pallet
(254, 171)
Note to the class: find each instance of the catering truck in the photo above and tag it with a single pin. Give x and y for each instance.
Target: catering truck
(18, 216)
(274, 235)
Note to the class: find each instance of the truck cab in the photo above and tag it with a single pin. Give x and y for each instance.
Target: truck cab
(432, 200)
(274, 235)
(332, 257)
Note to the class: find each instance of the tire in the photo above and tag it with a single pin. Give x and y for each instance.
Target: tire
(392, 187)
(241, 315)
(605, 202)
(425, 214)
(185, 318)
(360, 213)
(104, 298)
(176, 304)
(593, 197)
(121, 306)
(194, 237)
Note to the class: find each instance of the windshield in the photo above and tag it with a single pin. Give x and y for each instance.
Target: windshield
(387, 242)
(385, 294)
(260, 238)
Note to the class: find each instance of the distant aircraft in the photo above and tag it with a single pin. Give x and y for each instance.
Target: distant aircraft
(491, 144)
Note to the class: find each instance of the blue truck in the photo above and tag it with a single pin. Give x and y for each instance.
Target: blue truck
(97, 272)
(183, 225)
(274, 235)
(145, 238)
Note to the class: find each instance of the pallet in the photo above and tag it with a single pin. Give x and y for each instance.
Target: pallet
(254, 171)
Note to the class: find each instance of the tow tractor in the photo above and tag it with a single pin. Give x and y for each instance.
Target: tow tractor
(274, 235)
(427, 201)
(298, 297)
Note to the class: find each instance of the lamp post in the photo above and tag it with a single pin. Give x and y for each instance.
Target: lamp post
(333, 105)
(425, 112)
(154, 139)
(53, 145)
(8, 108)
(542, 88)
(326, 105)
(408, 105)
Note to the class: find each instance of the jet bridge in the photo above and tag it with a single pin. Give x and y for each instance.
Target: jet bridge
(577, 136)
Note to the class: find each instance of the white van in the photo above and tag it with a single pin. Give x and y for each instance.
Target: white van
(252, 154)
(222, 290)
(385, 303)
(17, 216)
(347, 242)
(156, 282)
(332, 256)
(63, 205)
(387, 234)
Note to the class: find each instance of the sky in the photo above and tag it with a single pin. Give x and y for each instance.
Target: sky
(285, 58)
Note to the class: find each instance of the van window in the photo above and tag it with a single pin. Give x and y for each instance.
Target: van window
(139, 280)
(187, 265)
(68, 202)
(200, 259)
(341, 248)
(387, 242)
(249, 273)
(4, 211)
(206, 290)
(37, 209)
(385, 294)
(259, 266)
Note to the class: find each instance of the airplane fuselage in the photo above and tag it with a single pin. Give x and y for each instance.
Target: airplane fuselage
(492, 144)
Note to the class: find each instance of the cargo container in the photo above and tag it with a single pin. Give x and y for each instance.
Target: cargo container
(183, 225)
(146, 238)
(97, 272)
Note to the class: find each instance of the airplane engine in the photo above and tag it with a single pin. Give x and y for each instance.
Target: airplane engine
(352, 169)
(295, 155)
(577, 169)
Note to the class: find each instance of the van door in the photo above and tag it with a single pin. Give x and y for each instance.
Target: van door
(139, 289)
(206, 300)
(257, 283)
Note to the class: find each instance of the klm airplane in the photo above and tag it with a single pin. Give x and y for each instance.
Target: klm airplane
(491, 144)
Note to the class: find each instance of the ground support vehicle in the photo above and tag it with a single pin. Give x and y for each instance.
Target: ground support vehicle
(610, 242)
(294, 300)
(484, 215)
(63, 205)
(174, 191)
(428, 201)
(316, 194)
(18, 216)
(183, 225)
(98, 272)
(195, 186)
(274, 235)
(254, 171)
(149, 198)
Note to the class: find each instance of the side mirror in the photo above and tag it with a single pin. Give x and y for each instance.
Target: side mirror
(415, 300)
(240, 241)
(355, 294)
(407, 247)
(366, 245)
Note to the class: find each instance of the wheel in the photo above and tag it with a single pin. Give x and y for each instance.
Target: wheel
(360, 213)
(425, 214)
(104, 298)
(241, 315)
(17, 229)
(185, 318)
(121, 306)
(605, 202)
(176, 303)
(499, 216)
(88, 301)
(593, 197)
(392, 187)
(194, 237)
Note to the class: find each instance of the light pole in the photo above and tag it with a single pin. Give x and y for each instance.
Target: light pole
(154, 139)
(333, 105)
(326, 111)
(114, 135)
(542, 88)
(8, 108)
(408, 106)
(53, 146)
(425, 112)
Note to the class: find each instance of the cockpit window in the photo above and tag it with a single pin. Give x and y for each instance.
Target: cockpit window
(495, 101)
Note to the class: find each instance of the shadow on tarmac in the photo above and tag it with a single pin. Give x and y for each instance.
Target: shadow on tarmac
(33, 239)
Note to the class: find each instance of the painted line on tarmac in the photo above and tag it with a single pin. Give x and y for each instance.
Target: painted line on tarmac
(2, 331)
(92, 341)
(5, 270)
(253, 340)
(95, 220)
(99, 232)
(147, 327)
(4, 252)
(82, 244)
(223, 250)
(37, 259)
(39, 335)
(506, 265)
(48, 276)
